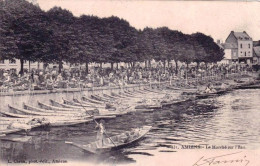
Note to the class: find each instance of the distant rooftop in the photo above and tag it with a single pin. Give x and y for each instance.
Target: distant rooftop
(256, 43)
(241, 35)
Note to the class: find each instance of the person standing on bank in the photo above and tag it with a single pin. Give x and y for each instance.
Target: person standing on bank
(101, 131)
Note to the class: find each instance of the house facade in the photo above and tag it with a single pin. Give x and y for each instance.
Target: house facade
(238, 48)
(15, 65)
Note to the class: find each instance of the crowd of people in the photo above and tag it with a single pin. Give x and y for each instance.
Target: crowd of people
(50, 78)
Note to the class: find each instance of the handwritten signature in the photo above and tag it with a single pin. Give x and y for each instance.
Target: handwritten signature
(217, 160)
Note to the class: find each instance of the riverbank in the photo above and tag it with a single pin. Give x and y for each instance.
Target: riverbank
(231, 81)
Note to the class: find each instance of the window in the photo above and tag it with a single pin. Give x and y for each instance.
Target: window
(248, 45)
(241, 46)
(245, 53)
(12, 61)
(2, 61)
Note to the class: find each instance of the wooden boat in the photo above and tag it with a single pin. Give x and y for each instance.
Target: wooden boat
(111, 97)
(55, 123)
(89, 99)
(16, 129)
(119, 141)
(205, 95)
(8, 119)
(17, 139)
(107, 106)
(31, 112)
(172, 102)
(8, 131)
(250, 86)
(126, 94)
(142, 91)
(68, 102)
(81, 107)
(146, 106)
(62, 105)
(50, 107)
(88, 103)
(9, 114)
(65, 113)
(118, 95)
(96, 97)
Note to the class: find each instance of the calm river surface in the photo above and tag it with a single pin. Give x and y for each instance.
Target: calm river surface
(230, 119)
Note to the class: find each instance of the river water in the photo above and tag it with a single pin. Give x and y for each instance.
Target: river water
(229, 119)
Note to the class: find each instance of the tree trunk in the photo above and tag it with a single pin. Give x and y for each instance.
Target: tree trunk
(198, 65)
(112, 65)
(168, 63)
(100, 65)
(21, 70)
(150, 65)
(164, 66)
(29, 66)
(133, 64)
(117, 66)
(207, 72)
(45, 65)
(87, 67)
(176, 66)
(145, 63)
(60, 66)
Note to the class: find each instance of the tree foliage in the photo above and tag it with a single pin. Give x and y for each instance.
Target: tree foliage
(56, 36)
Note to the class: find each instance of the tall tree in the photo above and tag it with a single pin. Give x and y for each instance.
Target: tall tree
(187, 51)
(123, 35)
(26, 27)
(60, 23)
(8, 48)
(206, 49)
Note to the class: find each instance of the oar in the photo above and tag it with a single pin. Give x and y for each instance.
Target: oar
(97, 123)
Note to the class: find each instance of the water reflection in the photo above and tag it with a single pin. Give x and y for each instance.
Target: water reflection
(230, 119)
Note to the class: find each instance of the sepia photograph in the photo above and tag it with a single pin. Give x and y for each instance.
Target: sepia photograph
(129, 82)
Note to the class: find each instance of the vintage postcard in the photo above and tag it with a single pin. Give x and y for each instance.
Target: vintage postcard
(129, 82)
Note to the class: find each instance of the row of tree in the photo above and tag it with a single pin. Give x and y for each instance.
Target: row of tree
(55, 36)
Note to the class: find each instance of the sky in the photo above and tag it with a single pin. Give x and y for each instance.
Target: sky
(213, 18)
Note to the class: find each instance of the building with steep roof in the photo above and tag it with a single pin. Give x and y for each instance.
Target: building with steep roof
(238, 48)
(256, 57)
(256, 43)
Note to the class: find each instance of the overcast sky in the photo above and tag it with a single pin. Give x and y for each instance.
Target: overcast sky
(216, 18)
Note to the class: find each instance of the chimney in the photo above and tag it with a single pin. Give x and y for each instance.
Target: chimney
(218, 41)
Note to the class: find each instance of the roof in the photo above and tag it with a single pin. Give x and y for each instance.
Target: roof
(256, 43)
(221, 45)
(230, 45)
(257, 51)
(241, 35)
